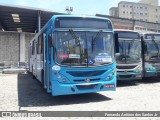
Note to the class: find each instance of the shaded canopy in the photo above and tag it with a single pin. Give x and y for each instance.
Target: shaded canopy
(23, 19)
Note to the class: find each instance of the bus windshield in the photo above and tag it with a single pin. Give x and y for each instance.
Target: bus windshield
(84, 48)
(129, 51)
(151, 50)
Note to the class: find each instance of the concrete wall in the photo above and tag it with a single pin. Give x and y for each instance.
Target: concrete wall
(145, 27)
(13, 47)
(122, 23)
(139, 26)
(28, 38)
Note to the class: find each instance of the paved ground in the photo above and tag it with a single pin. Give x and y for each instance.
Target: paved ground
(21, 92)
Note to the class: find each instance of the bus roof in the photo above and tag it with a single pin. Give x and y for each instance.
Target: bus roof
(67, 16)
(84, 16)
(151, 33)
(124, 30)
(122, 33)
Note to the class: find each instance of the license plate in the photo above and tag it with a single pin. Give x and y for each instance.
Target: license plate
(138, 76)
(110, 86)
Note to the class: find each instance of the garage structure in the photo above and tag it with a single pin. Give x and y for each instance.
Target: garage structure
(18, 25)
(23, 19)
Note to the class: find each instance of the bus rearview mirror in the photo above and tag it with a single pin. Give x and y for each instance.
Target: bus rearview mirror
(116, 42)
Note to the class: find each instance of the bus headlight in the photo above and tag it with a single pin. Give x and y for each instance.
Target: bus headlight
(139, 69)
(146, 69)
(150, 68)
(111, 75)
(64, 80)
(61, 78)
(108, 77)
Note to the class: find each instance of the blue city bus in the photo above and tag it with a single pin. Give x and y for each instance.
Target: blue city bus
(74, 54)
(128, 55)
(151, 54)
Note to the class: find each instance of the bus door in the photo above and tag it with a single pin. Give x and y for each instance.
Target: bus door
(34, 58)
(44, 80)
(48, 66)
(29, 58)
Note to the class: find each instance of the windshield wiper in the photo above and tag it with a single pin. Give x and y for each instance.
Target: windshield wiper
(77, 41)
(130, 44)
(121, 47)
(95, 38)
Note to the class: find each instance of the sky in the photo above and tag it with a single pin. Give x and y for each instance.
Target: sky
(86, 7)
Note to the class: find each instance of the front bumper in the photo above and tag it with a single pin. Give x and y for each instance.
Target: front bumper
(151, 73)
(129, 76)
(67, 89)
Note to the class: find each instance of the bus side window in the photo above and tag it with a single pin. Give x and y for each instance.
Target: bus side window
(50, 40)
(39, 45)
(33, 48)
(145, 47)
(42, 46)
(36, 47)
(49, 46)
(53, 39)
(116, 42)
(44, 39)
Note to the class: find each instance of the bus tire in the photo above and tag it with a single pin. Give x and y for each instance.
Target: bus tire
(33, 76)
(42, 77)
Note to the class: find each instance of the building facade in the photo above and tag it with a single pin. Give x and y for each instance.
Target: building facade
(113, 11)
(142, 11)
(150, 2)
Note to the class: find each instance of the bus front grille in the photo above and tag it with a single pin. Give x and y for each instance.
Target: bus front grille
(156, 66)
(86, 73)
(125, 76)
(84, 87)
(84, 80)
(158, 74)
(126, 67)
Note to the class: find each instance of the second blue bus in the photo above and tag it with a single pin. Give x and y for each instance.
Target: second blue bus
(151, 54)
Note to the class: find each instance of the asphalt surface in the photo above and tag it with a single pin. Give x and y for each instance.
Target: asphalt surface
(22, 92)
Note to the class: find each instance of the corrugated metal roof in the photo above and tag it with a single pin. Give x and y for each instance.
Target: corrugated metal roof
(28, 18)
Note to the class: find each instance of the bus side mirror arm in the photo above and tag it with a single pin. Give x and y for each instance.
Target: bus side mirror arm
(50, 41)
(116, 43)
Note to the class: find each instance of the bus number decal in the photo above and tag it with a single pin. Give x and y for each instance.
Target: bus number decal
(103, 59)
(63, 55)
(56, 68)
(74, 56)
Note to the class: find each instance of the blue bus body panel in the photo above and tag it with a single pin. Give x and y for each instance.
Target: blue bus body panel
(151, 71)
(65, 89)
(103, 79)
(78, 84)
(151, 66)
